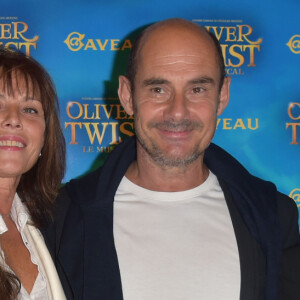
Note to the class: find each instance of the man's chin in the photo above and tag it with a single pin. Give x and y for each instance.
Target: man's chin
(177, 161)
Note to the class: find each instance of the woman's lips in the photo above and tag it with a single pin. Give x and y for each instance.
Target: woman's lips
(9, 143)
(12, 142)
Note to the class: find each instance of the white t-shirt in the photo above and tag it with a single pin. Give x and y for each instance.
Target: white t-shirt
(176, 246)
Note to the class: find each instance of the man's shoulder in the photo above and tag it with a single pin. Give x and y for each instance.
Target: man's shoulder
(83, 188)
(286, 202)
(288, 220)
(105, 177)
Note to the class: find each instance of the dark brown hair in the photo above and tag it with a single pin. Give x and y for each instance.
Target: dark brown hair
(39, 186)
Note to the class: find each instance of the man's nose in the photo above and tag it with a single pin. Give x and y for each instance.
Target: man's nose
(178, 107)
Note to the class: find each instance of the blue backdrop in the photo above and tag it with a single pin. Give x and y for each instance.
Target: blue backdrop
(84, 45)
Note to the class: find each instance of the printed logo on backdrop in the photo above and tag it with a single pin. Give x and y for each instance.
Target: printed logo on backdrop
(77, 41)
(14, 35)
(240, 49)
(97, 124)
(294, 44)
(295, 194)
(294, 124)
(239, 45)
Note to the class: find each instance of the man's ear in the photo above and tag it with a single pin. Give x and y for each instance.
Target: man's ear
(224, 95)
(125, 94)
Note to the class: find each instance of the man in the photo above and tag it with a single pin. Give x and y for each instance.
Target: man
(170, 215)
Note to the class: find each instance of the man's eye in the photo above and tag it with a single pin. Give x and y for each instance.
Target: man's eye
(30, 110)
(197, 90)
(157, 90)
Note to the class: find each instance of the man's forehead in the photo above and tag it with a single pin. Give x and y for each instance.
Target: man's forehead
(186, 51)
(178, 40)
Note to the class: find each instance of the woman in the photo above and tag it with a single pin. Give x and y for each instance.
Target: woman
(32, 164)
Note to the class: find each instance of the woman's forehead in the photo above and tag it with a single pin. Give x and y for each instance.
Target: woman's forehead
(16, 81)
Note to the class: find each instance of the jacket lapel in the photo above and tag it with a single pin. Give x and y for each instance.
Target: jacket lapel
(70, 253)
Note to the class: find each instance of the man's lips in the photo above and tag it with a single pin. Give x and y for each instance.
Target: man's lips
(175, 133)
(176, 129)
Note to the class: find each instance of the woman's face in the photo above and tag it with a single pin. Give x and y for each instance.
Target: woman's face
(22, 128)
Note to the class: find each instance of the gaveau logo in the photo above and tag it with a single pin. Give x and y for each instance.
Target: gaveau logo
(294, 44)
(77, 41)
(295, 194)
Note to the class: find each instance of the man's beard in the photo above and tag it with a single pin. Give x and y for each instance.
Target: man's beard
(163, 159)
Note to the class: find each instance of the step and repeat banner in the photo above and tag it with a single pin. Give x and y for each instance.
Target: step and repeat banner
(85, 44)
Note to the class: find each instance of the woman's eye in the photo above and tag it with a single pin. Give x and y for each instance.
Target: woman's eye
(30, 110)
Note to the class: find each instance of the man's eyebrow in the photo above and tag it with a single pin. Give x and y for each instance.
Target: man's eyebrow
(154, 81)
(203, 80)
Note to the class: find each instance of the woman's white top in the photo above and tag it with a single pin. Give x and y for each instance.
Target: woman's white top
(47, 285)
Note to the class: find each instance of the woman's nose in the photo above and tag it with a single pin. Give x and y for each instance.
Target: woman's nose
(11, 119)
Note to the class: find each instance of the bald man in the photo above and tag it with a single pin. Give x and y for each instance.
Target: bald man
(171, 216)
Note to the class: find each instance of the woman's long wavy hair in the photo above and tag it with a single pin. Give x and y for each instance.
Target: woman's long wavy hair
(39, 186)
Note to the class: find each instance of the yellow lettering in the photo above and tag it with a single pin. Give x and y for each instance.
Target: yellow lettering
(231, 37)
(90, 44)
(96, 133)
(73, 131)
(121, 113)
(114, 126)
(239, 123)
(27, 47)
(9, 44)
(127, 45)
(236, 55)
(97, 106)
(5, 28)
(108, 113)
(291, 106)
(126, 131)
(294, 132)
(251, 54)
(215, 31)
(250, 124)
(226, 124)
(86, 112)
(18, 32)
(114, 44)
(70, 104)
(102, 46)
(244, 36)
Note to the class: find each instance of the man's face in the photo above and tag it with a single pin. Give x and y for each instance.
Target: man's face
(177, 96)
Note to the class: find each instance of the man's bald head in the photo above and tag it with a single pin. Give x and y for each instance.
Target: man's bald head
(163, 25)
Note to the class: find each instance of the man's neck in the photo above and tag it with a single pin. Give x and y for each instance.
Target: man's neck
(147, 174)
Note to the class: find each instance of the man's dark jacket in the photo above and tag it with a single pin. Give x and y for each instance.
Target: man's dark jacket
(81, 239)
